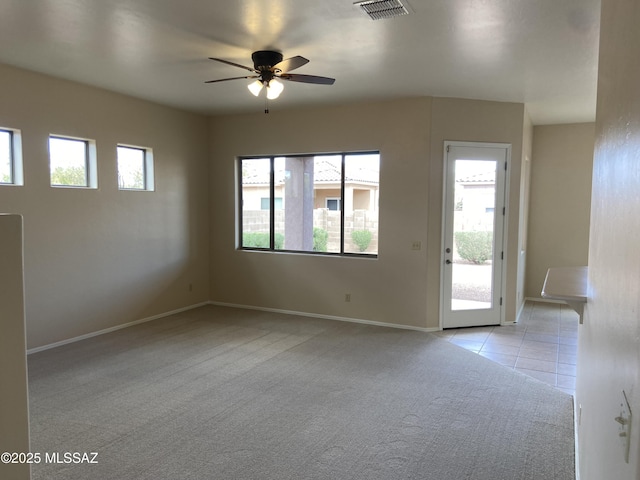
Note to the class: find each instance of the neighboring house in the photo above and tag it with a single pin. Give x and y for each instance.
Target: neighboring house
(361, 186)
(475, 202)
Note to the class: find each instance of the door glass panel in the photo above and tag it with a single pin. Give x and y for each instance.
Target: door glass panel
(473, 227)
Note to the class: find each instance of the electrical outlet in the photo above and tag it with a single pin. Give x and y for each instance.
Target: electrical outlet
(347, 297)
(416, 245)
(624, 429)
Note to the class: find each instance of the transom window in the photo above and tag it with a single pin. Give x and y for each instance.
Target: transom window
(135, 168)
(10, 157)
(310, 203)
(72, 162)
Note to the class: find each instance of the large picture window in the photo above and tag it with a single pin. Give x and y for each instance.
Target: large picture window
(310, 203)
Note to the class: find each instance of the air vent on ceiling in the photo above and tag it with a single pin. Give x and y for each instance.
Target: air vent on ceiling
(379, 9)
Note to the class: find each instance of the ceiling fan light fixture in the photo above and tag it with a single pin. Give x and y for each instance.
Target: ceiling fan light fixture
(274, 89)
(255, 87)
(267, 71)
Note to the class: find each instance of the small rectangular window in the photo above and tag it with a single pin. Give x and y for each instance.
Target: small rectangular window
(72, 162)
(135, 168)
(311, 203)
(265, 203)
(333, 204)
(10, 157)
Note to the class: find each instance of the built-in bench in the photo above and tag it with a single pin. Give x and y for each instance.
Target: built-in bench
(568, 284)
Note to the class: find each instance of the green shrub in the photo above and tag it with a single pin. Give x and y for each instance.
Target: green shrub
(75, 176)
(320, 239)
(475, 247)
(278, 241)
(362, 238)
(261, 240)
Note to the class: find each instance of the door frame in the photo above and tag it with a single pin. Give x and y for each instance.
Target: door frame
(505, 229)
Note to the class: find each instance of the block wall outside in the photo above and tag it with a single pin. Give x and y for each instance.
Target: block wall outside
(329, 220)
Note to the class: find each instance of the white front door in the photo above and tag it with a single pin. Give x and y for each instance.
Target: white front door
(473, 228)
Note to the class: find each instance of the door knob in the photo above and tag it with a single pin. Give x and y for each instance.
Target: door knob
(447, 261)
(448, 250)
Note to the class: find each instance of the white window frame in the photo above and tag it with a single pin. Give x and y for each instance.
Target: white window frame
(16, 174)
(148, 173)
(90, 159)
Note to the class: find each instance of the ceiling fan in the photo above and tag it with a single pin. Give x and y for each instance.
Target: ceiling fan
(269, 68)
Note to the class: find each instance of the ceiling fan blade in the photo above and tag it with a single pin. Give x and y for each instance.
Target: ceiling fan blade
(233, 64)
(292, 63)
(308, 79)
(233, 78)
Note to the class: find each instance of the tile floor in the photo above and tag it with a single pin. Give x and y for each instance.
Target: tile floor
(542, 344)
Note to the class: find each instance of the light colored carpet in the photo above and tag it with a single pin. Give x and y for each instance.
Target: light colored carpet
(221, 393)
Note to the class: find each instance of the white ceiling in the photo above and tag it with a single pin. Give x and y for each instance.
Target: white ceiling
(539, 52)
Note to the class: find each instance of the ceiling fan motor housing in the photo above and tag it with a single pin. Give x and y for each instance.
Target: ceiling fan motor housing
(264, 60)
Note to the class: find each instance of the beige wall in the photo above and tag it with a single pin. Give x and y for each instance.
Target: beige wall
(95, 259)
(387, 289)
(402, 285)
(14, 411)
(99, 258)
(609, 340)
(560, 200)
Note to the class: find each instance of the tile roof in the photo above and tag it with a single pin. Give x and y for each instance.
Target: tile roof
(485, 177)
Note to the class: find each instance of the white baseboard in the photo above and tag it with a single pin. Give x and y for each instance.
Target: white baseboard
(265, 309)
(112, 329)
(326, 317)
(248, 307)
